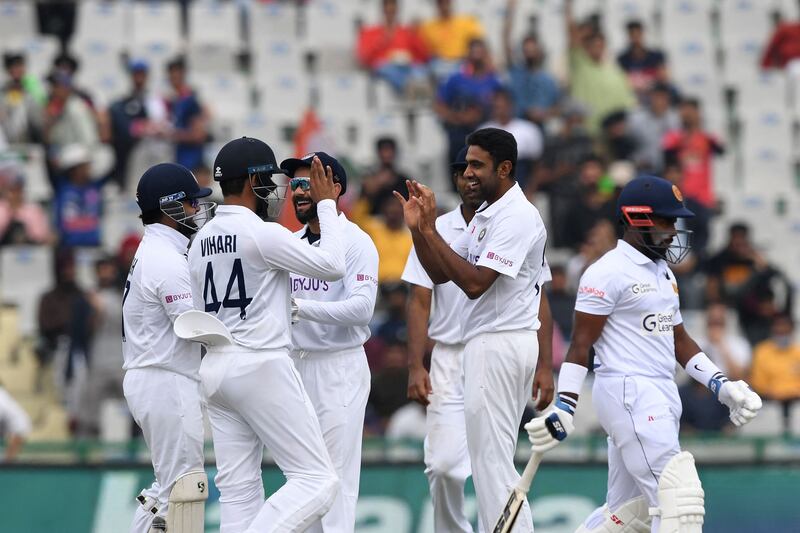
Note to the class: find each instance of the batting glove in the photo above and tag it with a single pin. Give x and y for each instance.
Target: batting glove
(552, 427)
(741, 400)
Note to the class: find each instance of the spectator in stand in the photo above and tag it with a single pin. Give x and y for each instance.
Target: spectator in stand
(740, 276)
(595, 80)
(15, 425)
(139, 115)
(188, 117)
(392, 51)
(562, 300)
(78, 199)
(693, 147)
(391, 238)
(448, 37)
(21, 221)
(21, 102)
(699, 224)
(536, 91)
(69, 65)
(564, 151)
(702, 412)
(783, 49)
(105, 371)
(728, 350)
(649, 123)
(776, 363)
(644, 66)
(389, 387)
(392, 320)
(68, 120)
(380, 180)
(530, 141)
(601, 238)
(617, 142)
(464, 100)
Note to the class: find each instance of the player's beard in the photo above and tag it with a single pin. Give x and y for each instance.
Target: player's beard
(306, 216)
(187, 227)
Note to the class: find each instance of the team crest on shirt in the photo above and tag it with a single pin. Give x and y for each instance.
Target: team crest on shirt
(482, 234)
(657, 324)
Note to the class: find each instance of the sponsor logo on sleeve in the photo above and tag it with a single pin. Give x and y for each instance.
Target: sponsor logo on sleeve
(657, 324)
(366, 277)
(592, 291)
(170, 298)
(500, 259)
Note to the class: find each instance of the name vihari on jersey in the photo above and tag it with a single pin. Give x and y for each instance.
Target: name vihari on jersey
(218, 244)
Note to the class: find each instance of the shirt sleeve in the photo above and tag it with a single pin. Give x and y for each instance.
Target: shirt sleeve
(414, 272)
(361, 289)
(174, 290)
(597, 292)
(546, 276)
(461, 244)
(281, 249)
(508, 243)
(13, 416)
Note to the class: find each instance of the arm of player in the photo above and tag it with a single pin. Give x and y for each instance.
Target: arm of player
(412, 213)
(174, 289)
(418, 313)
(17, 423)
(742, 401)
(555, 425)
(543, 378)
(361, 286)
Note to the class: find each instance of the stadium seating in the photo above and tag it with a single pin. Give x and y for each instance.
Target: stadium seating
(25, 271)
(17, 19)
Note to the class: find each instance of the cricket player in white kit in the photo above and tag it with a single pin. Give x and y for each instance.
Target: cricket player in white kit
(499, 264)
(628, 309)
(161, 383)
(240, 269)
(328, 339)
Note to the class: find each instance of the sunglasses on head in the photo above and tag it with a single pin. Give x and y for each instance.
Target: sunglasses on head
(303, 183)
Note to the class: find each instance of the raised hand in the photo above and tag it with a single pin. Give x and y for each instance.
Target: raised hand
(321, 179)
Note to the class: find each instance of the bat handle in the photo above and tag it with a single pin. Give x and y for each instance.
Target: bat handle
(530, 470)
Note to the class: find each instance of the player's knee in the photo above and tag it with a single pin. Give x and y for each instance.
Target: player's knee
(327, 488)
(447, 467)
(241, 490)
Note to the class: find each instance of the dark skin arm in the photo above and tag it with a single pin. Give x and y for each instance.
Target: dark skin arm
(417, 314)
(585, 332)
(685, 346)
(543, 378)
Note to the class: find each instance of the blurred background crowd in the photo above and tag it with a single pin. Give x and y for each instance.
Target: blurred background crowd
(705, 93)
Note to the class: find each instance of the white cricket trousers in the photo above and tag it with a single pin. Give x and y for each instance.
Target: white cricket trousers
(446, 456)
(168, 408)
(641, 416)
(256, 399)
(338, 384)
(498, 376)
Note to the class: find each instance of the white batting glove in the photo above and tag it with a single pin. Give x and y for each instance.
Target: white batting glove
(552, 427)
(295, 312)
(741, 400)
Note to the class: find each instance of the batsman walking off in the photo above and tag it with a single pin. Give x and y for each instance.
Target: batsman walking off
(240, 269)
(628, 309)
(499, 264)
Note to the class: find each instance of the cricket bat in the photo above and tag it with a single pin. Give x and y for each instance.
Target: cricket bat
(517, 497)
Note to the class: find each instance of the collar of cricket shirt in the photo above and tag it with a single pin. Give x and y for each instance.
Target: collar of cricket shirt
(511, 195)
(175, 238)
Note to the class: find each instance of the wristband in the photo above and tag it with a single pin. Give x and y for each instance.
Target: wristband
(704, 371)
(570, 378)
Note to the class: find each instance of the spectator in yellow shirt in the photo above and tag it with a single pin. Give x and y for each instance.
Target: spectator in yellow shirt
(390, 235)
(776, 363)
(447, 38)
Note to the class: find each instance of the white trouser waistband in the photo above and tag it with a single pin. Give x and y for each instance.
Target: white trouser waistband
(333, 354)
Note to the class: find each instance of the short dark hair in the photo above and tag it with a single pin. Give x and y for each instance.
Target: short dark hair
(12, 58)
(153, 216)
(68, 61)
(691, 101)
(504, 92)
(385, 142)
(178, 62)
(739, 227)
(500, 144)
(634, 24)
(591, 158)
(233, 187)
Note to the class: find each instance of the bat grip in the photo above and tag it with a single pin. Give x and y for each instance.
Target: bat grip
(530, 470)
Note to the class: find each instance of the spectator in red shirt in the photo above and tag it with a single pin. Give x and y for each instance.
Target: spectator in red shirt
(392, 51)
(783, 46)
(692, 148)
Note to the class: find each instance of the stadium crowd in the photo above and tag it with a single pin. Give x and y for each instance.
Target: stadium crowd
(586, 122)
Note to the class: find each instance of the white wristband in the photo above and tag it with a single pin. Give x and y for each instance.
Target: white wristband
(570, 378)
(704, 371)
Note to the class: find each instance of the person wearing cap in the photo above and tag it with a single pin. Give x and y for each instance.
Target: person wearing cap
(78, 198)
(162, 382)
(442, 391)
(628, 310)
(328, 339)
(68, 119)
(499, 264)
(240, 271)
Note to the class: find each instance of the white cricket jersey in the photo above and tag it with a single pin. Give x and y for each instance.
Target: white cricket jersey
(509, 237)
(156, 292)
(335, 315)
(448, 298)
(640, 298)
(13, 418)
(240, 271)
